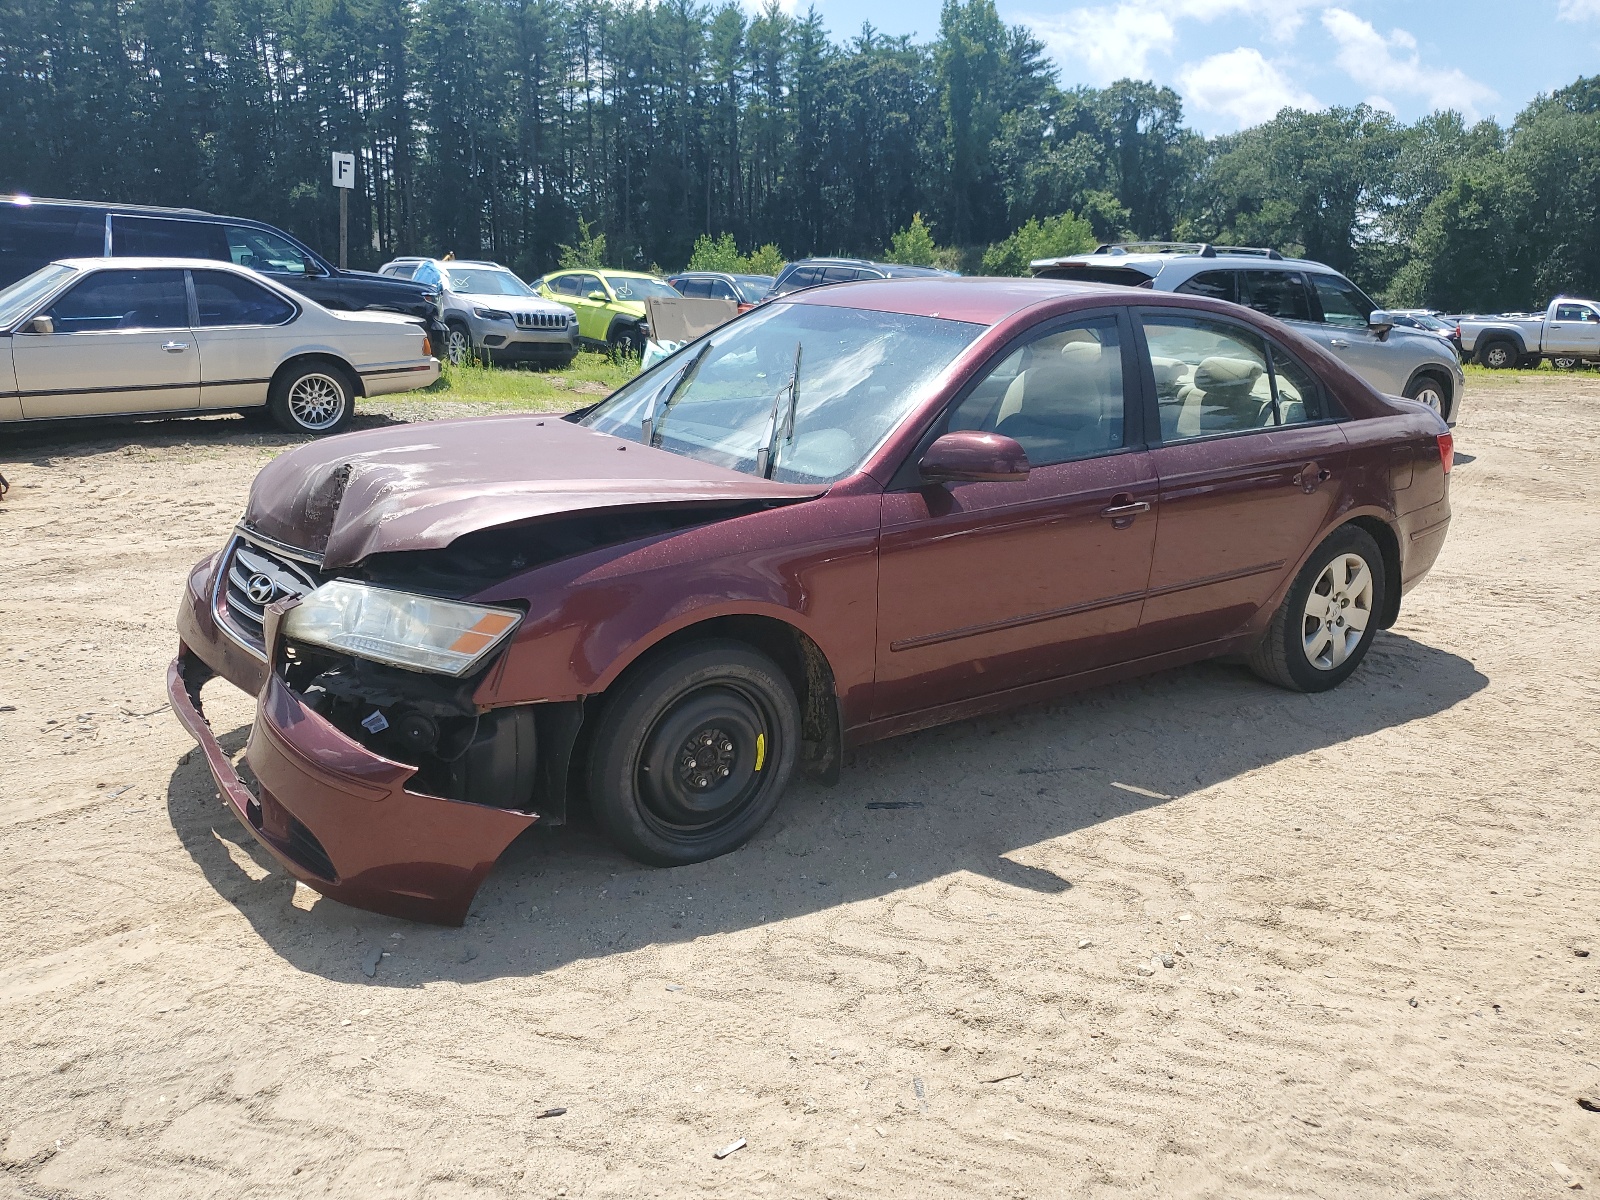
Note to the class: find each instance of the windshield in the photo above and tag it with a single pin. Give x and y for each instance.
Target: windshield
(631, 287)
(726, 399)
(17, 300)
(486, 281)
(753, 289)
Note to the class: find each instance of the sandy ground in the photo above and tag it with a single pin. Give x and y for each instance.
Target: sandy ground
(1371, 901)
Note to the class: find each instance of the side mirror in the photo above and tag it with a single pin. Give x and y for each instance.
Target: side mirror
(600, 296)
(42, 325)
(972, 457)
(1380, 322)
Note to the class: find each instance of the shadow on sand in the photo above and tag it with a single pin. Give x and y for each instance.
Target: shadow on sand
(962, 797)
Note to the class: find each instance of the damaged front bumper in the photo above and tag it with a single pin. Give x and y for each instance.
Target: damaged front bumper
(338, 816)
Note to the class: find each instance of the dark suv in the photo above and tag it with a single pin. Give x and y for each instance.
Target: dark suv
(36, 232)
(814, 272)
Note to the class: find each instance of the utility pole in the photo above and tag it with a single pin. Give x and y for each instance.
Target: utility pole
(344, 178)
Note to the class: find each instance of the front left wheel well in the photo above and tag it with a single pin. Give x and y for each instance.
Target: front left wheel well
(803, 664)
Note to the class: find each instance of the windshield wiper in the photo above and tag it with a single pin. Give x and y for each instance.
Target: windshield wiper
(651, 425)
(766, 457)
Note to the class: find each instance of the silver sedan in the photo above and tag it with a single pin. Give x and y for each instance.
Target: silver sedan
(100, 337)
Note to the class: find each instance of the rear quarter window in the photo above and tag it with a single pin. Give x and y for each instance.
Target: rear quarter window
(162, 237)
(32, 237)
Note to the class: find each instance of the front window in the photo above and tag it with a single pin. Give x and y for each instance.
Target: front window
(265, 252)
(631, 287)
(1342, 302)
(798, 392)
(18, 300)
(137, 299)
(487, 281)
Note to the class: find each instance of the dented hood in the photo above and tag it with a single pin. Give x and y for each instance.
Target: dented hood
(421, 486)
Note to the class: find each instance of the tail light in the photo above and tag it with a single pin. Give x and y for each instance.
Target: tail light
(1447, 451)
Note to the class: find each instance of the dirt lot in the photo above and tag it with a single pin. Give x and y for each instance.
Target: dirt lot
(1371, 901)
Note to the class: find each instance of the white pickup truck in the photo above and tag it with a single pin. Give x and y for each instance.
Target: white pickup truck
(1567, 334)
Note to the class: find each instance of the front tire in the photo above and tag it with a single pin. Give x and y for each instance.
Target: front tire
(1326, 623)
(692, 753)
(1430, 390)
(315, 398)
(1498, 356)
(458, 344)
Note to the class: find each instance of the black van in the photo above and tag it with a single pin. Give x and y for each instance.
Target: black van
(36, 232)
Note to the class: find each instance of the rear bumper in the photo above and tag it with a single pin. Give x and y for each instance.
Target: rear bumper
(336, 815)
(407, 377)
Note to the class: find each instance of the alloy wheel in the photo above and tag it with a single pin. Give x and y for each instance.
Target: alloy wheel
(458, 348)
(1429, 394)
(316, 401)
(1337, 612)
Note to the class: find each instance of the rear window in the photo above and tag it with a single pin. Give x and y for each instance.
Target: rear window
(30, 237)
(1280, 294)
(1218, 285)
(162, 237)
(1095, 273)
(225, 299)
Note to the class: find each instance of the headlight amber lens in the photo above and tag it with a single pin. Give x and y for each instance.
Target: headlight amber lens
(420, 633)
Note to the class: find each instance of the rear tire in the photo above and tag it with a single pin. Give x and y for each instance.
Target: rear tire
(1498, 356)
(1326, 623)
(1565, 362)
(315, 397)
(692, 753)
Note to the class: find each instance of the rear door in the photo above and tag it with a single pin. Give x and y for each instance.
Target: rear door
(122, 343)
(989, 586)
(243, 331)
(1250, 461)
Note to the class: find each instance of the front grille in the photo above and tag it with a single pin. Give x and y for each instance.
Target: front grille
(243, 592)
(539, 320)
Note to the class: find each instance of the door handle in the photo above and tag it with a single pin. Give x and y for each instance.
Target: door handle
(1124, 511)
(1339, 344)
(175, 347)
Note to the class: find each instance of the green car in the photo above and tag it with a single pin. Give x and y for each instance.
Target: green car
(609, 304)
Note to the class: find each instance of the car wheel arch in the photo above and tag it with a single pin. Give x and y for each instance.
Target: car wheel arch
(357, 386)
(1440, 376)
(802, 660)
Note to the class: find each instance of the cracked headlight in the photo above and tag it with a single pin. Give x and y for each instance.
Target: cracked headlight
(419, 633)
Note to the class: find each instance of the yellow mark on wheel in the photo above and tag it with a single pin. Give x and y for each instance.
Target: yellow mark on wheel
(761, 750)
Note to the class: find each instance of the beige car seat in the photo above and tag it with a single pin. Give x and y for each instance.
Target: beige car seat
(1222, 394)
(1066, 400)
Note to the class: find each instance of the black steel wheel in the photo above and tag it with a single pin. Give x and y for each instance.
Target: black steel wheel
(692, 752)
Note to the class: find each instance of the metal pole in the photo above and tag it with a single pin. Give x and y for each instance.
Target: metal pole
(344, 229)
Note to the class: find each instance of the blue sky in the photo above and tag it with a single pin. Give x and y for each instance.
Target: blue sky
(1236, 62)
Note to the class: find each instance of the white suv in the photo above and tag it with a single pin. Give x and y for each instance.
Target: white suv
(1314, 299)
(489, 312)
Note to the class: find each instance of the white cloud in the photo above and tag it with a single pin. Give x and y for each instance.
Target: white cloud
(1579, 10)
(1243, 85)
(1116, 41)
(1392, 64)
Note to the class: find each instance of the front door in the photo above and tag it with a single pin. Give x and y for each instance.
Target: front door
(1250, 464)
(122, 343)
(1573, 329)
(1345, 332)
(989, 586)
(594, 315)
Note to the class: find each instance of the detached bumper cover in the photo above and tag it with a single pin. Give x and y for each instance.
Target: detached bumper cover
(339, 817)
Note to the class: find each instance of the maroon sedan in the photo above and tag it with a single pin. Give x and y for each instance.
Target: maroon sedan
(855, 512)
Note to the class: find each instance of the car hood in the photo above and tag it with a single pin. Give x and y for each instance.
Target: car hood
(506, 303)
(421, 486)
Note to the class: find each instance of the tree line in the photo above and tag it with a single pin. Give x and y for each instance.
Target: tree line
(494, 127)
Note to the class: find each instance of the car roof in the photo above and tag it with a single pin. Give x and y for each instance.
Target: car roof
(984, 300)
(23, 200)
(100, 262)
(1161, 254)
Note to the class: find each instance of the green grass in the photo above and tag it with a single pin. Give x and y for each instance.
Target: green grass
(591, 377)
(1480, 374)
